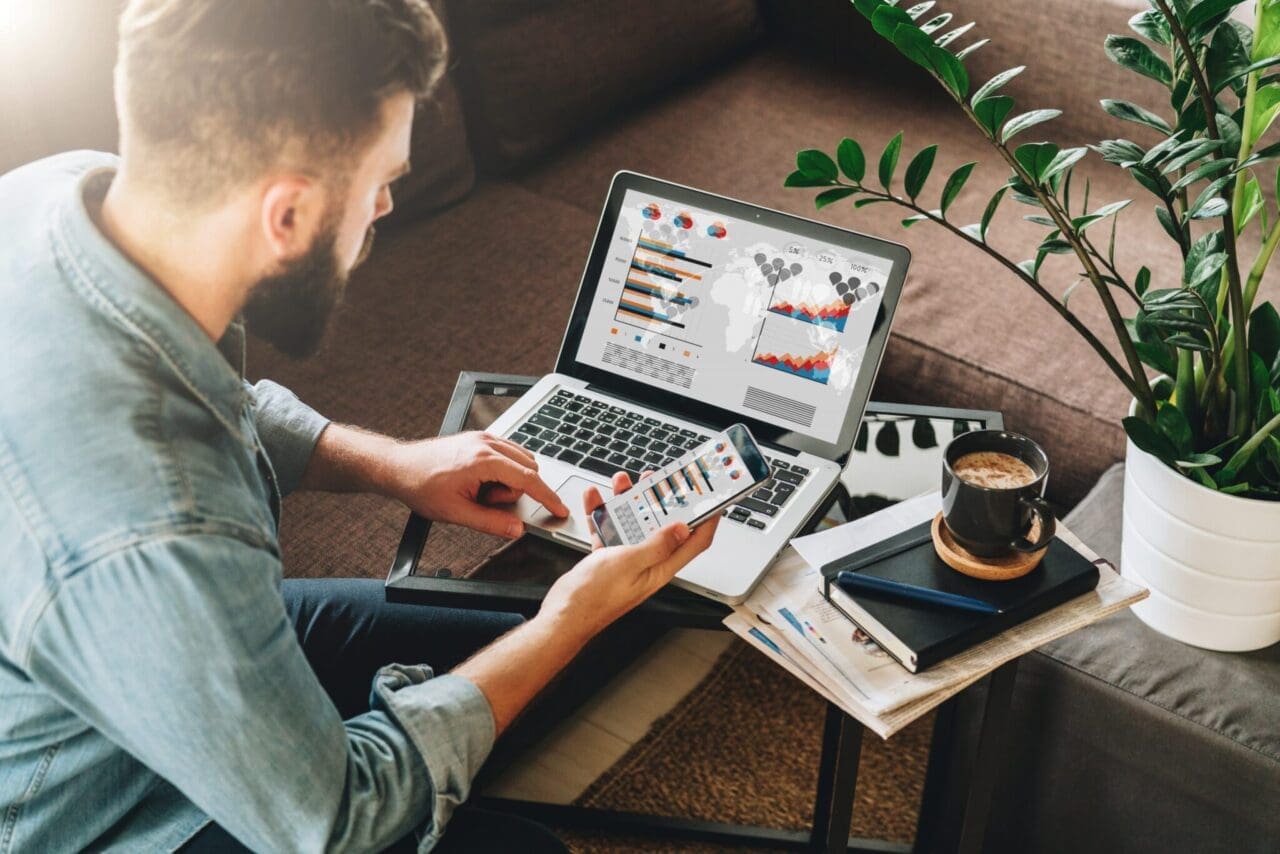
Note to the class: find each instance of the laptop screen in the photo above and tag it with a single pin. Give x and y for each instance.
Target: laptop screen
(735, 313)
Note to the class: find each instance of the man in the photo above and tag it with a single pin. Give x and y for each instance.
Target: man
(160, 686)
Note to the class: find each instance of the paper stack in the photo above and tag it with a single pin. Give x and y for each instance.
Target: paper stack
(787, 619)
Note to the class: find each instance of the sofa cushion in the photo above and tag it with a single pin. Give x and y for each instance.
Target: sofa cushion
(534, 71)
(443, 169)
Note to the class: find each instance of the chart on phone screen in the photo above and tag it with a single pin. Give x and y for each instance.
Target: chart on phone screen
(685, 491)
(740, 315)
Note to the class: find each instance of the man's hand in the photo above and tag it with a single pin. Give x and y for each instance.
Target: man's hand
(459, 478)
(601, 588)
(612, 581)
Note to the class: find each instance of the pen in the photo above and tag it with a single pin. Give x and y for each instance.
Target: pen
(853, 582)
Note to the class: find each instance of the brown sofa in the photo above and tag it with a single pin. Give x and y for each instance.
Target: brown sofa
(546, 99)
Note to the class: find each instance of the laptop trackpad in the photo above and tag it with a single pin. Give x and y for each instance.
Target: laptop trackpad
(570, 492)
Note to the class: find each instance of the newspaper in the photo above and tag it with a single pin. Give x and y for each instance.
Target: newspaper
(789, 620)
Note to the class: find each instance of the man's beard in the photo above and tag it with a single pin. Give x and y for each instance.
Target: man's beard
(291, 309)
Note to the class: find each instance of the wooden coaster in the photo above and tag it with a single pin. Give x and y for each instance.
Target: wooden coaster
(1005, 568)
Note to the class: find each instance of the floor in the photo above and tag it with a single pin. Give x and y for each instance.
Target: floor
(586, 745)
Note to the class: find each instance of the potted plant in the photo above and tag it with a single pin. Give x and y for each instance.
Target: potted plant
(1201, 356)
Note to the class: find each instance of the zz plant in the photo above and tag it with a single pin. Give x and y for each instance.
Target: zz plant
(1213, 409)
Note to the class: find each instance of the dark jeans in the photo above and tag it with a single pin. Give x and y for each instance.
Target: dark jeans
(348, 630)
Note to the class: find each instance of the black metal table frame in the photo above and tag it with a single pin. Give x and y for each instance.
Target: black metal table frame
(965, 755)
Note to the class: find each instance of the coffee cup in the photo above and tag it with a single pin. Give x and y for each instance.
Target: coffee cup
(993, 484)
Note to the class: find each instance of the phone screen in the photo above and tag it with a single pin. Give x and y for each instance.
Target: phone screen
(691, 489)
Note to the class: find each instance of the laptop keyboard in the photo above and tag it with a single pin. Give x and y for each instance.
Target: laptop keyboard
(606, 439)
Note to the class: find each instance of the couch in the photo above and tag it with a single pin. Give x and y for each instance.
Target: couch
(545, 99)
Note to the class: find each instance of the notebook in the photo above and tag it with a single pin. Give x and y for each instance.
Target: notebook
(920, 635)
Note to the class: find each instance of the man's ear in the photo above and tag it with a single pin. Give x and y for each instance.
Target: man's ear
(292, 208)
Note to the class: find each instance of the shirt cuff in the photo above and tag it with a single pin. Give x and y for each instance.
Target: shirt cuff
(450, 723)
(289, 430)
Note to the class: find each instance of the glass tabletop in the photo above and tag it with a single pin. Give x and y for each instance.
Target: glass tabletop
(897, 454)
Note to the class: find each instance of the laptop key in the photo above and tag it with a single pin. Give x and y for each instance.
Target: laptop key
(781, 488)
(687, 433)
(758, 506)
(738, 514)
(652, 422)
(763, 495)
(570, 456)
(598, 452)
(636, 453)
(624, 435)
(642, 441)
(592, 411)
(626, 423)
(551, 411)
(671, 428)
(547, 435)
(582, 447)
(572, 418)
(777, 500)
(599, 441)
(526, 427)
(575, 406)
(617, 446)
(618, 460)
(659, 447)
(600, 466)
(606, 429)
(534, 445)
(583, 434)
(653, 459)
(544, 421)
(779, 464)
(659, 434)
(756, 523)
(609, 417)
(800, 470)
(558, 400)
(562, 441)
(590, 424)
(616, 410)
(565, 428)
(668, 461)
(643, 428)
(784, 476)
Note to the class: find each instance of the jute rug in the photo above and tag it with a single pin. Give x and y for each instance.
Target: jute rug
(743, 747)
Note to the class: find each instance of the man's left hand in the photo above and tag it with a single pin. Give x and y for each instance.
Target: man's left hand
(460, 478)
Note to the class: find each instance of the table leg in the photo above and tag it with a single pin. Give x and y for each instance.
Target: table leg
(837, 781)
(969, 740)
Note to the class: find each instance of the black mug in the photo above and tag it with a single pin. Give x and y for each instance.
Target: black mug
(992, 521)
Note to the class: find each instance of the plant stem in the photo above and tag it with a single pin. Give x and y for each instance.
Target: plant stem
(1138, 384)
(1235, 295)
(1075, 322)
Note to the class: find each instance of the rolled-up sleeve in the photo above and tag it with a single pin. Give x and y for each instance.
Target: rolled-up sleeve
(288, 428)
(180, 650)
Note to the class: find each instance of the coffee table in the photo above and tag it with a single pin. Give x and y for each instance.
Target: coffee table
(897, 454)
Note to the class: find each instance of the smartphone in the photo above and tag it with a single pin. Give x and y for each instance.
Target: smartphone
(691, 489)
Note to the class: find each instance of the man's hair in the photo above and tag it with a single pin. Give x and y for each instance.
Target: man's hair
(215, 93)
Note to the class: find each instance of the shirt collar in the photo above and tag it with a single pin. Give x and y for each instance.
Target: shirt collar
(134, 301)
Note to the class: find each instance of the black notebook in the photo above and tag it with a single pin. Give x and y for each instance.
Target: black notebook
(920, 635)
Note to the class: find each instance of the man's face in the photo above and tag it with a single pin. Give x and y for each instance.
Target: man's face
(291, 307)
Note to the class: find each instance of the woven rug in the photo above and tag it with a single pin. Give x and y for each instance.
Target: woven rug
(743, 747)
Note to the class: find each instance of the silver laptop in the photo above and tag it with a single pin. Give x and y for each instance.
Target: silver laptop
(696, 311)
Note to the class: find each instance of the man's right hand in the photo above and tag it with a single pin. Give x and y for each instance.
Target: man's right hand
(611, 581)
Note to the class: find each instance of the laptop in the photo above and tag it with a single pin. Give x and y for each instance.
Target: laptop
(696, 311)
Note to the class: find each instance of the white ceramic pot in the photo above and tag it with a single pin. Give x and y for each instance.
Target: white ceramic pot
(1211, 561)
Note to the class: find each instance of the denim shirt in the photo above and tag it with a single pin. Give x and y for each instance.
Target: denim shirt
(150, 679)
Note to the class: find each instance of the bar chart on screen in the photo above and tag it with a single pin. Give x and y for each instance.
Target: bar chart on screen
(800, 349)
(662, 287)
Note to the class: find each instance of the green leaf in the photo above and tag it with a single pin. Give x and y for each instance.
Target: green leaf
(989, 213)
(800, 179)
(954, 184)
(1035, 157)
(831, 196)
(936, 23)
(961, 54)
(1204, 170)
(1152, 25)
(1205, 12)
(1080, 223)
(889, 160)
(1226, 60)
(1066, 295)
(1266, 39)
(1264, 333)
(816, 164)
(995, 83)
(1266, 105)
(1251, 203)
(947, 38)
(1205, 267)
(872, 200)
(1269, 153)
(1018, 124)
(1137, 56)
(885, 19)
(1209, 208)
(852, 162)
(1171, 422)
(1198, 461)
(1147, 439)
(1063, 160)
(1191, 153)
(1133, 113)
(1056, 246)
(912, 220)
(1157, 355)
(1229, 132)
(918, 171)
(1162, 214)
(916, 45)
(991, 112)
(1142, 281)
(919, 9)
